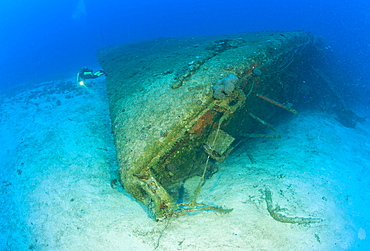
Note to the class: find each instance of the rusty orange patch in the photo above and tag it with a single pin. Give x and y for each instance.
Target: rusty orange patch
(203, 121)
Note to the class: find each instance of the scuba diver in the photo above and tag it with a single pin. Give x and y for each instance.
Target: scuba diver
(86, 73)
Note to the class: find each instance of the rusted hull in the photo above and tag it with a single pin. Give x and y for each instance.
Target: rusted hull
(176, 102)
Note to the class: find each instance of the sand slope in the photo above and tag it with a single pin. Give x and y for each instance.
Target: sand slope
(58, 161)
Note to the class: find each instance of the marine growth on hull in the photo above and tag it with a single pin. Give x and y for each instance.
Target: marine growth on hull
(180, 105)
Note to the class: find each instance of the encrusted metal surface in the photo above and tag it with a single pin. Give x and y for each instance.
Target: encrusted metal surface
(168, 96)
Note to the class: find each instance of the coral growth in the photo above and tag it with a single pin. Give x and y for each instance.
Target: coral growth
(224, 86)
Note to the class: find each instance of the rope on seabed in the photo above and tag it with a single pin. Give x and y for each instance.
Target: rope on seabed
(274, 212)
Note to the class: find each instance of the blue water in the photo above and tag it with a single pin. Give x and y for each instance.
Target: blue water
(44, 40)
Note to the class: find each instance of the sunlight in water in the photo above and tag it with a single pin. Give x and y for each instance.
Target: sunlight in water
(80, 10)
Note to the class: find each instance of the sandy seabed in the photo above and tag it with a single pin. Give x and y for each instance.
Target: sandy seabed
(58, 160)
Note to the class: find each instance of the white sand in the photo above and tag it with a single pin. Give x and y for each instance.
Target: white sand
(57, 163)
